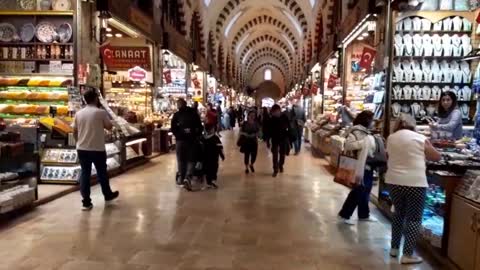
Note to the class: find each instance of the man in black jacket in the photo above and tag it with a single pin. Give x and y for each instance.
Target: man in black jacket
(277, 138)
(187, 128)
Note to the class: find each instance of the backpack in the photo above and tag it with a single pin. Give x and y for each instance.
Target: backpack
(379, 159)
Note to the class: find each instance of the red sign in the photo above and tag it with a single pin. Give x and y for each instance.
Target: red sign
(125, 58)
(368, 56)
(137, 74)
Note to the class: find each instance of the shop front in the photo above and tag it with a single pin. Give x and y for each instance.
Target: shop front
(431, 55)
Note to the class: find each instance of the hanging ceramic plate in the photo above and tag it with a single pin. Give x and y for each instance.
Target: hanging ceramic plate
(27, 33)
(7, 32)
(27, 4)
(62, 5)
(64, 32)
(46, 32)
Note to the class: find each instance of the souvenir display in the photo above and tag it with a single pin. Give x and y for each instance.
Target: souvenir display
(60, 156)
(27, 4)
(46, 32)
(62, 5)
(428, 61)
(51, 173)
(28, 32)
(65, 32)
(16, 197)
(7, 32)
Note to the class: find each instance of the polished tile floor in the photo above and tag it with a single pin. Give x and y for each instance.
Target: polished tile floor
(252, 222)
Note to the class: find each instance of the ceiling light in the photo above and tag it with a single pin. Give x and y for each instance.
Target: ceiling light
(413, 3)
(365, 34)
(360, 38)
(118, 35)
(109, 35)
(109, 29)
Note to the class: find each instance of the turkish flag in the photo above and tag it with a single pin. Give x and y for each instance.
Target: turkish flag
(107, 54)
(368, 56)
(167, 76)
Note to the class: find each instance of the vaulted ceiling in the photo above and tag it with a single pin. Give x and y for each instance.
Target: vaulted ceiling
(255, 35)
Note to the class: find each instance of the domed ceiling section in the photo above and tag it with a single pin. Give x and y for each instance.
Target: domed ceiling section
(257, 35)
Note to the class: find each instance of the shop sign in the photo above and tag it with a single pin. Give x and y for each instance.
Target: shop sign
(137, 74)
(124, 58)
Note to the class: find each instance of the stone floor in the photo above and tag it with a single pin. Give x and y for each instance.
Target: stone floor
(252, 222)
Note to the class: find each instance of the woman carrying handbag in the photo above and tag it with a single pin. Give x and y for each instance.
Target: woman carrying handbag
(361, 143)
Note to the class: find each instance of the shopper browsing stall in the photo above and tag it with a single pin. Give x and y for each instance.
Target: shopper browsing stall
(449, 124)
(407, 151)
(89, 134)
(360, 141)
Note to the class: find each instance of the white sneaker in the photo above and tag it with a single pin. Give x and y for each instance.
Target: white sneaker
(369, 219)
(346, 221)
(394, 252)
(411, 259)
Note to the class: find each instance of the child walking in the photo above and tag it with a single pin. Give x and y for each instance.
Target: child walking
(213, 150)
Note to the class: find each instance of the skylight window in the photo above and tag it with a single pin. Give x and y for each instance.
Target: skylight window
(246, 56)
(207, 2)
(230, 24)
(288, 41)
(294, 22)
(241, 42)
(267, 74)
(312, 3)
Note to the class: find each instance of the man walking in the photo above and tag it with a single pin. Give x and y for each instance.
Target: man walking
(277, 134)
(299, 122)
(90, 123)
(186, 127)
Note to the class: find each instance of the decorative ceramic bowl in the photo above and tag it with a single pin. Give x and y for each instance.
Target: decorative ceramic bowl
(62, 5)
(27, 4)
(7, 32)
(64, 32)
(46, 32)
(27, 32)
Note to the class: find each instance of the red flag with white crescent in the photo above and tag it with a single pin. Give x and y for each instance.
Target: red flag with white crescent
(368, 56)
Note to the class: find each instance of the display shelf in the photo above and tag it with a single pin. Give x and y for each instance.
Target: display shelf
(433, 32)
(37, 74)
(450, 58)
(36, 13)
(35, 43)
(34, 60)
(423, 100)
(431, 83)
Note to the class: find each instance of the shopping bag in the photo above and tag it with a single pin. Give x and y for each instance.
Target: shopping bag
(345, 174)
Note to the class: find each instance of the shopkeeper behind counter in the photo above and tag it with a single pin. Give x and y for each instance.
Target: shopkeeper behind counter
(450, 117)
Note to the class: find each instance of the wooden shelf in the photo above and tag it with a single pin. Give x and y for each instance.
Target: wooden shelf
(35, 43)
(35, 60)
(35, 74)
(36, 13)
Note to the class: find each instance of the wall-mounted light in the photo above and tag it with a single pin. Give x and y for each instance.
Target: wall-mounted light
(166, 57)
(365, 34)
(109, 35)
(109, 29)
(118, 35)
